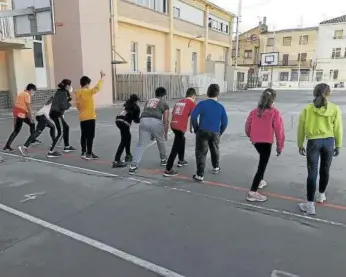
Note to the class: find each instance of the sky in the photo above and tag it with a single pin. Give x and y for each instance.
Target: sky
(283, 14)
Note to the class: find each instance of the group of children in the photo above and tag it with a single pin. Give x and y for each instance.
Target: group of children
(320, 123)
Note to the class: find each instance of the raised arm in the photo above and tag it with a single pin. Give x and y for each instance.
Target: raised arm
(99, 84)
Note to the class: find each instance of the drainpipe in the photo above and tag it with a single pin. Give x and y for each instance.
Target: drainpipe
(112, 38)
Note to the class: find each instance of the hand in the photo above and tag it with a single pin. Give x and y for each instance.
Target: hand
(102, 74)
(336, 152)
(278, 153)
(302, 151)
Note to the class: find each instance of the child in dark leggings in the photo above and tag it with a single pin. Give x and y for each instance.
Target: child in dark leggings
(321, 123)
(130, 112)
(262, 124)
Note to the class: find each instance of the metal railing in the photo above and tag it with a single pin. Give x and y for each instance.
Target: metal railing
(6, 23)
(305, 63)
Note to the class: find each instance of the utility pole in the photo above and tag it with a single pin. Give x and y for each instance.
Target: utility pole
(113, 52)
(235, 77)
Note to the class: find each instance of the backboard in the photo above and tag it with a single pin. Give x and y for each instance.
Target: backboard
(41, 22)
(270, 59)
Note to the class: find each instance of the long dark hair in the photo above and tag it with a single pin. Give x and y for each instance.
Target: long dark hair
(321, 91)
(131, 102)
(266, 101)
(66, 82)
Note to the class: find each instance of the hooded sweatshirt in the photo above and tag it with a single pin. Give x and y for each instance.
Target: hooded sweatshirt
(320, 123)
(262, 129)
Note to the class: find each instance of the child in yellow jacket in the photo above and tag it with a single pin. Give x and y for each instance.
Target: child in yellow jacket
(87, 114)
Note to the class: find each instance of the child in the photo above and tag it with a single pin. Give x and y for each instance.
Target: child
(43, 121)
(261, 125)
(60, 104)
(22, 113)
(180, 117)
(209, 120)
(321, 123)
(87, 115)
(130, 112)
(154, 123)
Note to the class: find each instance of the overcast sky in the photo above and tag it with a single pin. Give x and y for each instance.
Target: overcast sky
(284, 13)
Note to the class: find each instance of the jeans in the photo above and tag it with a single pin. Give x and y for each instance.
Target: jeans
(148, 128)
(264, 151)
(178, 149)
(42, 123)
(59, 121)
(205, 140)
(316, 149)
(87, 135)
(18, 124)
(125, 143)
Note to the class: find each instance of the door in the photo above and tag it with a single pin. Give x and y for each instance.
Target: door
(40, 66)
(194, 62)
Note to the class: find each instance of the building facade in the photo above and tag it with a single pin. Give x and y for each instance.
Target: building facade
(296, 65)
(331, 52)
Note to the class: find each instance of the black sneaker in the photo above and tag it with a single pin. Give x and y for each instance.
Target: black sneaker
(198, 178)
(23, 150)
(216, 170)
(128, 158)
(83, 155)
(54, 154)
(133, 170)
(91, 156)
(163, 162)
(37, 142)
(8, 149)
(118, 165)
(170, 173)
(68, 149)
(182, 163)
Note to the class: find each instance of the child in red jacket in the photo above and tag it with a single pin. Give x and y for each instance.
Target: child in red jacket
(261, 125)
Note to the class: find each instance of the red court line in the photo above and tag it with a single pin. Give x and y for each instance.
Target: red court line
(209, 183)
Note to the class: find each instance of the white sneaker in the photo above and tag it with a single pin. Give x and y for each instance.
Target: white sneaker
(253, 196)
(262, 184)
(321, 198)
(308, 208)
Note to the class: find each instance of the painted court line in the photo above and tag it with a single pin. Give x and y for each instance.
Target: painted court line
(94, 243)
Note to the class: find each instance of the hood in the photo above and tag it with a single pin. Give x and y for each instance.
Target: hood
(267, 112)
(327, 111)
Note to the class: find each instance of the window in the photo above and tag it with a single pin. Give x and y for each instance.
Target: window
(304, 39)
(150, 58)
(270, 42)
(157, 5)
(302, 57)
(284, 76)
(265, 77)
(336, 53)
(294, 75)
(319, 75)
(338, 34)
(38, 52)
(248, 54)
(218, 25)
(304, 75)
(334, 74)
(176, 12)
(240, 77)
(285, 59)
(134, 56)
(287, 41)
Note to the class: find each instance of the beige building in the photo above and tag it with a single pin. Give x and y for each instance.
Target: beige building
(296, 48)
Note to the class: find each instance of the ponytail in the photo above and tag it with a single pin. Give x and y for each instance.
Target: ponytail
(321, 91)
(266, 101)
(64, 83)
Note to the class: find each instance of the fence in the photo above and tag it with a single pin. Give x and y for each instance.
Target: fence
(144, 85)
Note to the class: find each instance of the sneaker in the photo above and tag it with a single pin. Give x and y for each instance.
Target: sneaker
(216, 170)
(262, 184)
(308, 208)
(8, 149)
(163, 162)
(128, 158)
(133, 170)
(83, 155)
(321, 198)
(198, 178)
(170, 173)
(254, 196)
(91, 156)
(118, 165)
(182, 163)
(23, 150)
(68, 149)
(54, 154)
(37, 142)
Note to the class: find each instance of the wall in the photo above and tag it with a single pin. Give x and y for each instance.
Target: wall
(126, 34)
(190, 13)
(216, 52)
(186, 53)
(4, 85)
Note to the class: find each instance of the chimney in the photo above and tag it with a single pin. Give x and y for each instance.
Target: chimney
(265, 20)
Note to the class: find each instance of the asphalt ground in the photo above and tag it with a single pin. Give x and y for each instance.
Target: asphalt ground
(70, 217)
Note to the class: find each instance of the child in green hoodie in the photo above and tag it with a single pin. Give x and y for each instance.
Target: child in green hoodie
(321, 124)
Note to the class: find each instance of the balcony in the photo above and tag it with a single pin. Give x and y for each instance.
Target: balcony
(293, 63)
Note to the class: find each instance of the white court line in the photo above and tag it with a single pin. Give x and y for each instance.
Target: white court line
(94, 243)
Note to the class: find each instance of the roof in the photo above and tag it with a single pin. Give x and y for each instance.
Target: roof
(340, 19)
(293, 30)
(219, 8)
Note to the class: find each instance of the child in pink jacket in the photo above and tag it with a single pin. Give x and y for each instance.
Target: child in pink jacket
(261, 125)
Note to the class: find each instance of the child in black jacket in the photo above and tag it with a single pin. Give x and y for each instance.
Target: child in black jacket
(130, 112)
